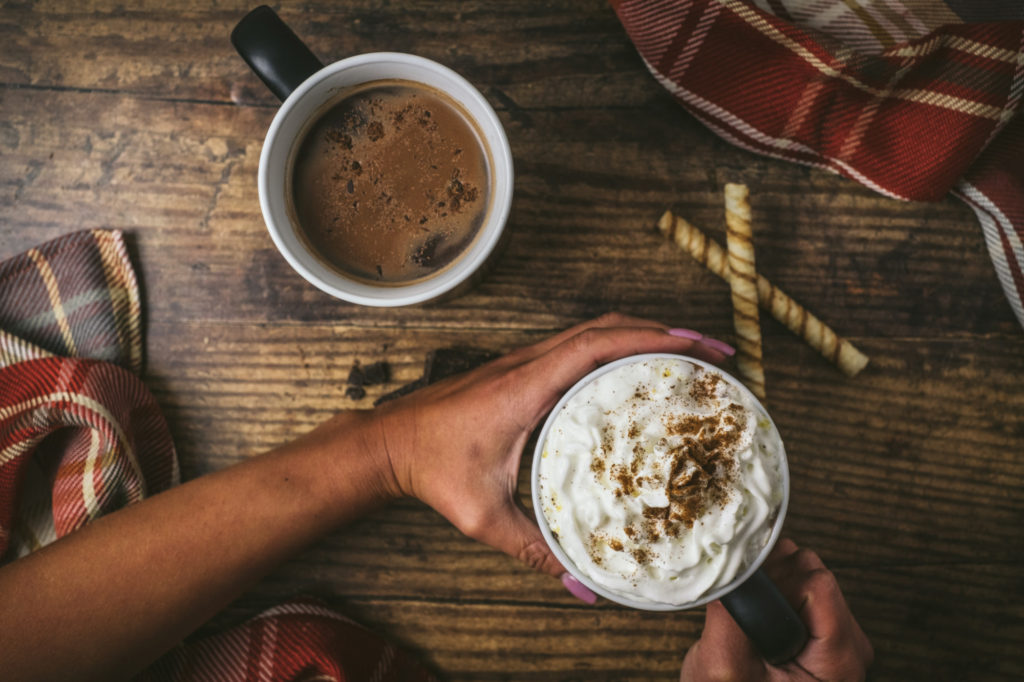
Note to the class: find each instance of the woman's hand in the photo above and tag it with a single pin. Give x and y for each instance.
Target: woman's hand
(837, 649)
(457, 444)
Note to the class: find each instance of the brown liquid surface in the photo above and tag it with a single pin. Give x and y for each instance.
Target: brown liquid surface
(391, 183)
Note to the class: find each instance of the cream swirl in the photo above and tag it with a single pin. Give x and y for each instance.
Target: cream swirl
(661, 480)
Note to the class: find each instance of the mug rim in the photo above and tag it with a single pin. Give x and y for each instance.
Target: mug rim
(334, 282)
(570, 565)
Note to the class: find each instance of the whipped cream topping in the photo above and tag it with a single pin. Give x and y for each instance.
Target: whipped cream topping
(661, 480)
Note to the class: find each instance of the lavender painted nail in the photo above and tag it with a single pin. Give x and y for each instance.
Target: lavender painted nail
(686, 334)
(578, 589)
(720, 346)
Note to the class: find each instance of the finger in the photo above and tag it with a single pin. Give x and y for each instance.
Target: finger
(830, 621)
(723, 652)
(608, 320)
(824, 608)
(790, 571)
(554, 372)
(519, 537)
(783, 548)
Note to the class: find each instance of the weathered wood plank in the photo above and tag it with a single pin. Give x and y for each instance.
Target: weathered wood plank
(181, 178)
(974, 634)
(520, 56)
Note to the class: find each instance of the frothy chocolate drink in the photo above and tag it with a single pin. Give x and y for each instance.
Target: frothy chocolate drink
(391, 183)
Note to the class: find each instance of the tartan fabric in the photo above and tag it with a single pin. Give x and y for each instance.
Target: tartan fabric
(75, 296)
(79, 433)
(298, 640)
(900, 96)
(81, 436)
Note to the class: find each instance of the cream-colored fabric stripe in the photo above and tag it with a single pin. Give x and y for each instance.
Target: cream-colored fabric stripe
(14, 349)
(78, 399)
(88, 485)
(959, 43)
(115, 289)
(50, 281)
(870, 23)
(803, 107)
(911, 95)
(907, 27)
(268, 650)
(124, 293)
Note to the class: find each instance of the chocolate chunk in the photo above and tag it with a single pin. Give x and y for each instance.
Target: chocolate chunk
(369, 375)
(377, 373)
(441, 364)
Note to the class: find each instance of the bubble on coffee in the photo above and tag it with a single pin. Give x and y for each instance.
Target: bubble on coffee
(391, 182)
(661, 481)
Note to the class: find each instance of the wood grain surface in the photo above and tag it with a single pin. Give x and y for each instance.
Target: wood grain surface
(908, 479)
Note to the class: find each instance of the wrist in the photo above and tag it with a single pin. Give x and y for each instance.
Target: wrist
(344, 465)
(373, 443)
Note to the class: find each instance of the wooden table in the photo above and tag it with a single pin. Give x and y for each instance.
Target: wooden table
(908, 479)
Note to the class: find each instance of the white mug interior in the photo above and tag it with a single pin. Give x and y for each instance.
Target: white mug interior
(292, 120)
(568, 563)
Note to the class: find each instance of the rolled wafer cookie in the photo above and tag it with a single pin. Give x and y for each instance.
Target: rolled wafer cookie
(743, 282)
(816, 333)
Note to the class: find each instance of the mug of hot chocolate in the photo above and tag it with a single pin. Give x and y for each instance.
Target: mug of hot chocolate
(660, 482)
(385, 178)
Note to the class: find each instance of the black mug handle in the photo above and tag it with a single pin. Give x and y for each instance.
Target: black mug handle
(770, 622)
(273, 51)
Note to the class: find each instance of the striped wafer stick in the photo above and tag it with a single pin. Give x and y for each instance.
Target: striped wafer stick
(816, 333)
(743, 282)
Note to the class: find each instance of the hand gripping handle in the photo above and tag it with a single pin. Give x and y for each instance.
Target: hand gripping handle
(770, 622)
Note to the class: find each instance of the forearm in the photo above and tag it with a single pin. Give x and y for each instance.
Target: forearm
(112, 597)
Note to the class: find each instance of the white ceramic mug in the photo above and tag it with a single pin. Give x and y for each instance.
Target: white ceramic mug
(291, 71)
(754, 602)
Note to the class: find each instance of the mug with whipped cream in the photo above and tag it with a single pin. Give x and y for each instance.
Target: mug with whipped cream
(660, 483)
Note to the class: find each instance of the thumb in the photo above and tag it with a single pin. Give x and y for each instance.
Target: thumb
(519, 537)
(522, 539)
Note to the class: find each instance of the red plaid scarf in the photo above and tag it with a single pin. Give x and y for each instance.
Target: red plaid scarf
(80, 436)
(896, 95)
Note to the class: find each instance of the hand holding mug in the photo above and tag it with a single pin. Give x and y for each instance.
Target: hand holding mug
(836, 650)
(457, 444)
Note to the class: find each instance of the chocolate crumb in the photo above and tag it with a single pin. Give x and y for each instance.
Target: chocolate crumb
(427, 251)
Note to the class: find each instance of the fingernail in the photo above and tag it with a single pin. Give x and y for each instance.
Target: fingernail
(686, 334)
(578, 589)
(720, 346)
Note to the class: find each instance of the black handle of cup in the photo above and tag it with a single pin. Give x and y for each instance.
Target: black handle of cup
(770, 622)
(273, 51)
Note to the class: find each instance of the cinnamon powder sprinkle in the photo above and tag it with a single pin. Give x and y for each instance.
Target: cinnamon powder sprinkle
(703, 469)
